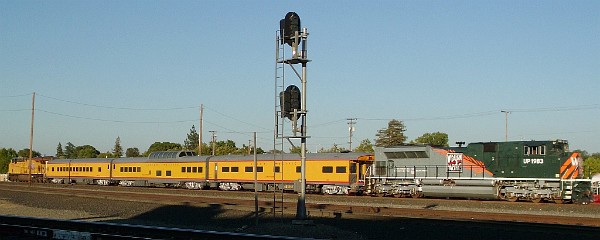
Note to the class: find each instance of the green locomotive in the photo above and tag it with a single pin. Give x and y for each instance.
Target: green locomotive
(517, 170)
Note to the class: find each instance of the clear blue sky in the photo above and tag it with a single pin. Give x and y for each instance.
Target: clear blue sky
(140, 70)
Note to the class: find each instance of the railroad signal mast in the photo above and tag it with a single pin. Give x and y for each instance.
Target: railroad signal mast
(292, 100)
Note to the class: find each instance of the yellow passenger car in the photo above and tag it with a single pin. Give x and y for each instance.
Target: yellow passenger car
(331, 173)
(88, 170)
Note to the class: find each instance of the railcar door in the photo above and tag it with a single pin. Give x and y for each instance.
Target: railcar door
(354, 176)
(207, 169)
(358, 170)
(216, 171)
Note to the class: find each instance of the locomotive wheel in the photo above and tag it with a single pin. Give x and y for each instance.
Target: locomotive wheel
(417, 195)
(512, 199)
(559, 201)
(536, 200)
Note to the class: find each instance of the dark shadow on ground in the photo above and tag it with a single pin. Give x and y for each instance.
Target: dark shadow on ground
(343, 225)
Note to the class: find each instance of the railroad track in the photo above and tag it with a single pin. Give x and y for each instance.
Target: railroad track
(412, 218)
(339, 206)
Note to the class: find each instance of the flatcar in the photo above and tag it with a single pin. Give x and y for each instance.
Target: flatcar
(19, 169)
(515, 171)
(331, 173)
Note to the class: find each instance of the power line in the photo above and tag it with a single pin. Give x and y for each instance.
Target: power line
(559, 109)
(114, 121)
(12, 96)
(227, 116)
(14, 110)
(119, 108)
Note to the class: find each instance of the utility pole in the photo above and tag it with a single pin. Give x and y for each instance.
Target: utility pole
(200, 135)
(506, 125)
(30, 164)
(255, 181)
(213, 141)
(351, 122)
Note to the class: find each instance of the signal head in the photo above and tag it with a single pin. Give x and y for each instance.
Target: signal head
(289, 26)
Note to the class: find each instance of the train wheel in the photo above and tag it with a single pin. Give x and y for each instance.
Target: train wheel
(417, 195)
(536, 200)
(512, 199)
(559, 201)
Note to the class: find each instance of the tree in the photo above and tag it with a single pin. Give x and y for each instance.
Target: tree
(434, 139)
(25, 153)
(105, 155)
(6, 154)
(365, 146)
(59, 151)
(592, 165)
(260, 150)
(393, 135)
(333, 149)
(163, 146)
(191, 143)
(297, 150)
(132, 152)
(86, 151)
(206, 149)
(225, 147)
(70, 152)
(117, 150)
(275, 151)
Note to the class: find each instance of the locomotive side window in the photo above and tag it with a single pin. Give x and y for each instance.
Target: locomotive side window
(199, 169)
(225, 169)
(235, 169)
(189, 169)
(182, 169)
(298, 169)
(534, 150)
(259, 169)
(248, 169)
(168, 173)
(139, 169)
(99, 169)
(194, 169)
(353, 168)
(406, 154)
(277, 169)
(327, 169)
(340, 169)
(158, 173)
(380, 168)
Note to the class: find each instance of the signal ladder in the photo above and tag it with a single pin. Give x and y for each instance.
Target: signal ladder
(279, 137)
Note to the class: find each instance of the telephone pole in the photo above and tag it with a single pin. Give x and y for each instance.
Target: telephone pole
(30, 164)
(200, 135)
(506, 125)
(351, 122)
(213, 141)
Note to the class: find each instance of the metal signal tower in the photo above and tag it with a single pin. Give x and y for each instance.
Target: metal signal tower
(291, 100)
